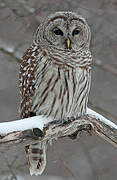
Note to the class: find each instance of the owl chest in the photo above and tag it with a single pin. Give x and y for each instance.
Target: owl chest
(58, 92)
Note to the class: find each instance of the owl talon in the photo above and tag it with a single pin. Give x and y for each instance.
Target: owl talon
(68, 120)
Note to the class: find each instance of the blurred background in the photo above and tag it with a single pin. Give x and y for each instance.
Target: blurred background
(88, 158)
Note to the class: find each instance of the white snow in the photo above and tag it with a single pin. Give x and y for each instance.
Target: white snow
(24, 124)
(102, 118)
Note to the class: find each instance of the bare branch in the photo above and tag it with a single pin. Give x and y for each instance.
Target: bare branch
(39, 128)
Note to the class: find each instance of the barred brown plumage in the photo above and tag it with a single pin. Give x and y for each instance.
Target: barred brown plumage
(54, 76)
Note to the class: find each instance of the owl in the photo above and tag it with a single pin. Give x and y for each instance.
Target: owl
(55, 75)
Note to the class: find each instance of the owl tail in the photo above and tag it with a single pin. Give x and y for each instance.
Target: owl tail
(36, 154)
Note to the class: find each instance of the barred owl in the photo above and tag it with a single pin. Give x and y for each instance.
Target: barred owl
(55, 75)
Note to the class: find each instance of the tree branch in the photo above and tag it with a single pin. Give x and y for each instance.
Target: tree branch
(39, 128)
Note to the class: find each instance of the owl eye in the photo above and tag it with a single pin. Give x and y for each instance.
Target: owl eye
(58, 32)
(75, 32)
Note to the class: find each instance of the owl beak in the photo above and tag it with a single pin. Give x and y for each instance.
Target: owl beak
(68, 43)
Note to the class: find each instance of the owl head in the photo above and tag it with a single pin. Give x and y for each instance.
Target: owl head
(66, 31)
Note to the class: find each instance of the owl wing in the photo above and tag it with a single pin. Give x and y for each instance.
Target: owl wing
(36, 153)
(27, 81)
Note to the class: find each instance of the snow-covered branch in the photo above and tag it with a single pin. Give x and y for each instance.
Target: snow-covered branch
(39, 128)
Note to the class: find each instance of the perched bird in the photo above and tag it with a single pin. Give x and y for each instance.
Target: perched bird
(55, 75)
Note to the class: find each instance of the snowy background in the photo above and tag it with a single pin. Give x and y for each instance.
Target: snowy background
(88, 158)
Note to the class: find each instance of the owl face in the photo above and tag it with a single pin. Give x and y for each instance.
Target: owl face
(66, 31)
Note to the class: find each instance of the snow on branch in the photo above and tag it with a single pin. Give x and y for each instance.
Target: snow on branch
(39, 128)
